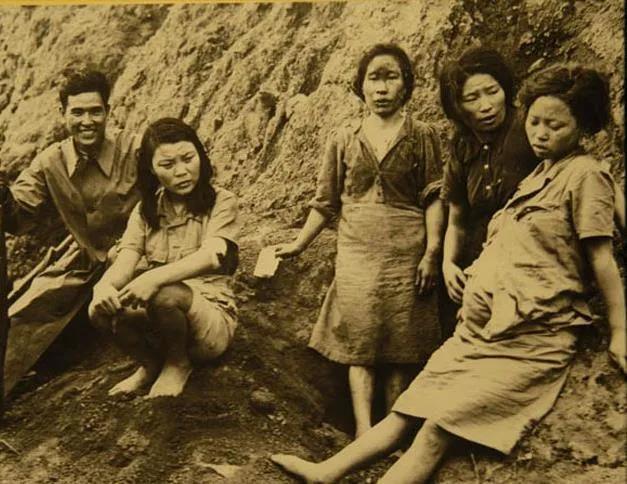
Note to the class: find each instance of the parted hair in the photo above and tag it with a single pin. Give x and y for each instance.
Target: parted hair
(385, 49)
(77, 80)
(585, 91)
(475, 60)
(201, 199)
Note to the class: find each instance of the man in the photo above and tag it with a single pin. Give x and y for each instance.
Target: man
(89, 180)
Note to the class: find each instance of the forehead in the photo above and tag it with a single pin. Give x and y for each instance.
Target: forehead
(172, 150)
(383, 62)
(551, 107)
(479, 81)
(85, 99)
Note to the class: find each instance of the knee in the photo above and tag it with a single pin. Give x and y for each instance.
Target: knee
(434, 438)
(168, 298)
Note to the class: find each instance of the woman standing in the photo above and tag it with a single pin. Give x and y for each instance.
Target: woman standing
(381, 176)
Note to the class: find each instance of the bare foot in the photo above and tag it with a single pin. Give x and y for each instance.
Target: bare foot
(138, 380)
(171, 381)
(310, 472)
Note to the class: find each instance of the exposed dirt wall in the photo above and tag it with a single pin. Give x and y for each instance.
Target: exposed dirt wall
(264, 84)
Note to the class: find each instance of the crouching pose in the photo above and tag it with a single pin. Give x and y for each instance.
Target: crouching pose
(505, 365)
(178, 308)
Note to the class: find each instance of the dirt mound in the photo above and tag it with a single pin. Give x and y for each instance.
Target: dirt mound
(263, 84)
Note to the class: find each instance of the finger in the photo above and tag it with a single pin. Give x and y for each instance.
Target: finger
(459, 281)
(419, 280)
(115, 302)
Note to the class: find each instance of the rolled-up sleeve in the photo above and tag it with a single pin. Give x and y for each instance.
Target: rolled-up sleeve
(224, 221)
(134, 237)
(432, 156)
(592, 204)
(330, 179)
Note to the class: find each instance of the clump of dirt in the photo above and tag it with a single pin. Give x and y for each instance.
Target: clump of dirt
(264, 84)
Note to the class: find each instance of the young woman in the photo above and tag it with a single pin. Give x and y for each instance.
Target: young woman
(490, 156)
(525, 295)
(179, 309)
(381, 176)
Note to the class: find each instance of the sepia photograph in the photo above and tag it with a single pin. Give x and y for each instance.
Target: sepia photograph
(360, 241)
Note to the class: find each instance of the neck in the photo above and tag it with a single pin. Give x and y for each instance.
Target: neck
(380, 122)
(90, 151)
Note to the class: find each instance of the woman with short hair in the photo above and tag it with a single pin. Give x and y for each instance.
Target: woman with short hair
(381, 176)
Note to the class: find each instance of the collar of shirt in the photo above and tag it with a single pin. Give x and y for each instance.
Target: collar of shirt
(470, 143)
(167, 214)
(104, 160)
(357, 128)
(546, 171)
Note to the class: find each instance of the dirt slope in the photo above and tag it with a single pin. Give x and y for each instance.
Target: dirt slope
(264, 84)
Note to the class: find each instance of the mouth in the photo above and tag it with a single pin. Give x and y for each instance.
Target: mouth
(382, 103)
(488, 120)
(183, 185)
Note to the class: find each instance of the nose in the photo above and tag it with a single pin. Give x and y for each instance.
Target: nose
(541, 133)
(381, 86)
(179, 169)
(87, 118)
(484, 104)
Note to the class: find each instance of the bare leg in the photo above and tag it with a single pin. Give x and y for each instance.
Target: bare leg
(380, 440)
(395, 383)
(419, 462)
(361, 382)
(129, 336)
(168, 309)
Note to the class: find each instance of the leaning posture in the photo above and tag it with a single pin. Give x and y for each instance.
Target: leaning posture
(178, 308)
(525, 296)
(85, 183)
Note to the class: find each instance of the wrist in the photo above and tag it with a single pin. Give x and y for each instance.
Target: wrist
(432, 253)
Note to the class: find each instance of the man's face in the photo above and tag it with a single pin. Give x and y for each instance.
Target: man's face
(85, 118)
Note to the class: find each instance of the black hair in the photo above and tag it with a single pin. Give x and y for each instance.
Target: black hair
(476, 60)
(585, 91)
(78, 80)
(385, 49)
(171, 130)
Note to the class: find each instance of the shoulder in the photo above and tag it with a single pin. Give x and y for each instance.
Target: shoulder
(343, 133)
(587, 171)
(420, 129)
(52, 152)
(585, 165)
(225, 198)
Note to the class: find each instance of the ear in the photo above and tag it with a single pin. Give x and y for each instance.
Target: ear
(61, 110)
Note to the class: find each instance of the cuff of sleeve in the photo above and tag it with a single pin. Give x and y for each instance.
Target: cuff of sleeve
(587, 234)
(326, 210)
(430, 192)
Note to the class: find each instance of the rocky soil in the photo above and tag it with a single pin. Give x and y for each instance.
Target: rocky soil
(263, 84)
